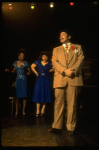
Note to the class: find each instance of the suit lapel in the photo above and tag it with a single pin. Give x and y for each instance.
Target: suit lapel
(63, 55)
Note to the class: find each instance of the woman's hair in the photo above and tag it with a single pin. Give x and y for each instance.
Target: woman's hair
(21, 51)
(44, 53)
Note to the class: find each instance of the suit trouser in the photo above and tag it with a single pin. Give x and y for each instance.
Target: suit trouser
(70, 94)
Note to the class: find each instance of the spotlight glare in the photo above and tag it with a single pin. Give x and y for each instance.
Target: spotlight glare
(32, 6)
(51, 4)
(10, 6)
(71, 3)
(95, 2)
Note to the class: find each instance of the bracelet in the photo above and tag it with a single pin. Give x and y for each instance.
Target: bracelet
(37, 73)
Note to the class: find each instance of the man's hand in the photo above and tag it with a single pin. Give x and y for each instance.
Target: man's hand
(69, 72)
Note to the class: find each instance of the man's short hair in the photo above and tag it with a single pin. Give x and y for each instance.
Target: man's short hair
(68, 31)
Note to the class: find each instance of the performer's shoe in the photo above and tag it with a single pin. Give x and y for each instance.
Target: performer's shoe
(37, 115)
(16, 114)
(23, 114)
(53, 130)
(42, 114)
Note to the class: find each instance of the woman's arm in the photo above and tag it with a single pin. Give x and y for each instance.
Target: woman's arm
(33, 69)
(28, 71)
(12, 71)
(52, 68)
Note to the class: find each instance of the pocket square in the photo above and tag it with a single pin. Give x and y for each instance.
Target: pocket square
(76, 51)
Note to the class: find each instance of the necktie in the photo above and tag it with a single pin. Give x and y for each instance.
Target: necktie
(66, 47)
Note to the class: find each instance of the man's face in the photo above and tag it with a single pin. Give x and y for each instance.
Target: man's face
(64, 37)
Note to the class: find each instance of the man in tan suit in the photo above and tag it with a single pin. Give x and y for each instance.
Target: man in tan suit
(67, 61)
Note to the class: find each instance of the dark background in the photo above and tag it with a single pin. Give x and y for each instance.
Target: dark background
(39, 29)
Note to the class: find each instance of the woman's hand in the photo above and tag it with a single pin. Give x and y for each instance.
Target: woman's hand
(7, 70)
(51, 70)
(37, 74)
(28, 73)
(13, 71)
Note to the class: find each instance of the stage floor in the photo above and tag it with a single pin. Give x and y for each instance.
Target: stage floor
(30, 131)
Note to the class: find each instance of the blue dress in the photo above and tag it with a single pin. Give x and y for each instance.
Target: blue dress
(43, 84)
(21, 87)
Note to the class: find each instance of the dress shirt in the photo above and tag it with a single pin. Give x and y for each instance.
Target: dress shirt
(64, 45)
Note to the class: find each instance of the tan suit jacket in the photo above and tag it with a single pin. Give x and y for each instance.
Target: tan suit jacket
(75, 61)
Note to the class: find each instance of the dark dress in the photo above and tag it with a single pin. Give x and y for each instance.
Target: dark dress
(43, 84)
(21, 87)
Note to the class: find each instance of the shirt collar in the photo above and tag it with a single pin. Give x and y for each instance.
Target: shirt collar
(64, 45)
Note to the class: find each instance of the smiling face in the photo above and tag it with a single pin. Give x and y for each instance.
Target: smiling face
(64, 38)
(44, 58)
(21, 56)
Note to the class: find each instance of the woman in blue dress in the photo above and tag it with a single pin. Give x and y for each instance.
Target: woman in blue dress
(43, 84)
(21, 87)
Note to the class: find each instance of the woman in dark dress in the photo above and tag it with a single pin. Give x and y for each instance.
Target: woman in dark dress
(43, 84)
(21, 87)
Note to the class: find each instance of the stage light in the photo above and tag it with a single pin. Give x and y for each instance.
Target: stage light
(51, 4)
(10, 6)
(32, 6)
(95, 2)
(71, 3)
